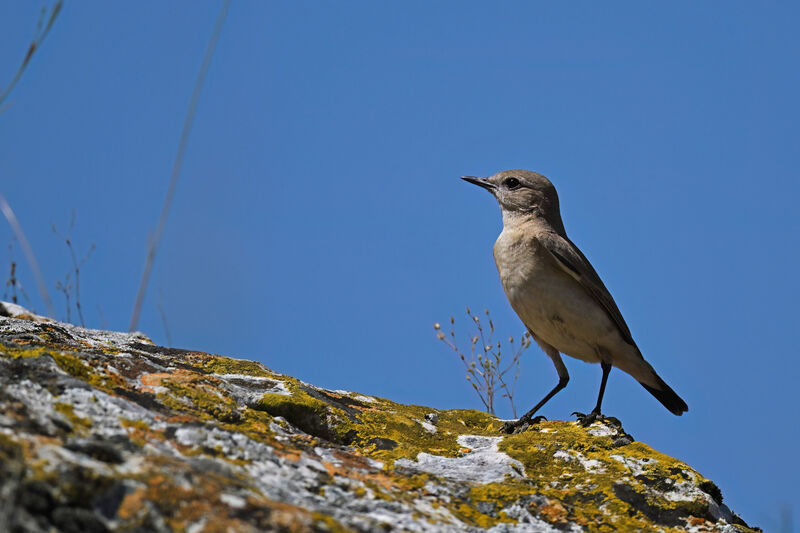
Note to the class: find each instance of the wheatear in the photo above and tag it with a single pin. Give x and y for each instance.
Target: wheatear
(558, 295)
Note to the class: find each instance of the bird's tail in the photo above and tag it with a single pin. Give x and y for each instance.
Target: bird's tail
(634, 364)
(664, 394)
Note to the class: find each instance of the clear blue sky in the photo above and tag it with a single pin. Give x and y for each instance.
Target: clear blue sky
(320, 226)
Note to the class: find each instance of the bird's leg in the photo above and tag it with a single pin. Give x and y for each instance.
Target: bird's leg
(527, 418)
(596, 414)
(563, 379)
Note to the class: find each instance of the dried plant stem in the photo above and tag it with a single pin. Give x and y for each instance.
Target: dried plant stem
(28, 251)
(12, 283)
(164, 317)
(165, 324)
(41, 33)
(486, 372)
(176, 167)
(65, 287)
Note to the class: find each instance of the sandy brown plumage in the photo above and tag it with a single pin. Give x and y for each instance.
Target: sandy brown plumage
(557, 293)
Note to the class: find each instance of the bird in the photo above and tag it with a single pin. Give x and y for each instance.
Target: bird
(558, 295)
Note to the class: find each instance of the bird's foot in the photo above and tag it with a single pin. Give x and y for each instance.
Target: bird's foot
(518, 426)
(621, 438)
(587, 420)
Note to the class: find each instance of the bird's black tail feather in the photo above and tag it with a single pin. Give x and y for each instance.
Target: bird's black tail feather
(668, 397)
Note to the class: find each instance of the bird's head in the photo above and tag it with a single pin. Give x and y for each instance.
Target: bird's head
(522, 193)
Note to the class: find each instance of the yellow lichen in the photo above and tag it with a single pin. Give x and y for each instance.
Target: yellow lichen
(327, 523)
(78, 423)
(140, 432)
(71, 365)
(23, 349)
(202, 401)
(9, 448)
(215, 364)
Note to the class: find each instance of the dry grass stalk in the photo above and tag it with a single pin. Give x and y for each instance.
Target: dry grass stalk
(487, 371)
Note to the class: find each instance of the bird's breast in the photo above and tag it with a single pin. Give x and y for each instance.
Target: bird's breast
(519, 261)
(549, 302)
(522, 268)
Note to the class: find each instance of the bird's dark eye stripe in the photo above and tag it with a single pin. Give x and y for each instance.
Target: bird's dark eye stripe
(511, 183)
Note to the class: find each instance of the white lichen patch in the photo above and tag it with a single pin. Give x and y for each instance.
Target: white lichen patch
(636, 466)
(279, 387)
(719, 527)
(427, 426)
(107, 412)
(590, 465)
(37, 400)
(235, 446)
(440, 514)
(328, 456)
(270, 384)
(198, 526)
(233, 500)
(354, 395)
(528, 523)
(77, 334)
(684, 491)
(51, 458)
(362, 398)
(599, 429)
(15, 310)
(247, 390)
(282, 429)
(100, 338)
(484, 463)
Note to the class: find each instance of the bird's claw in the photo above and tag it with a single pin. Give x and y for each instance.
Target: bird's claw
(518, 426)
(512, 427)
(587, 420)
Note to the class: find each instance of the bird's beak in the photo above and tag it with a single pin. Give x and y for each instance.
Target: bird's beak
(480, 182)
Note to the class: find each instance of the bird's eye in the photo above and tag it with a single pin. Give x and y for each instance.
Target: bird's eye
(512, 183)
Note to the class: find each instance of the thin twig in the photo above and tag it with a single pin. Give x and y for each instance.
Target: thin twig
(41, 33)
(13, 282)
(28, 251)
(164, 318)
(78, 279)
(103, 321)
(485, 370)
(176, 168)
(65, 288)
(76, 266)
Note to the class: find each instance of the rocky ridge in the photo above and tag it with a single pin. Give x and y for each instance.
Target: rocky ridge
(105, 431)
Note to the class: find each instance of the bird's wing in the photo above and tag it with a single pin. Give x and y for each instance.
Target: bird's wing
(574, 263)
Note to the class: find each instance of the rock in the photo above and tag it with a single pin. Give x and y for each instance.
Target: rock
(104, 431)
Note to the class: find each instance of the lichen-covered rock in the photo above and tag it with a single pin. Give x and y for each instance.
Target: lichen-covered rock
(103, 431)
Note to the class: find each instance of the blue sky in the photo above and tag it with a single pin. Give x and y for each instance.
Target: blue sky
(320, 226)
